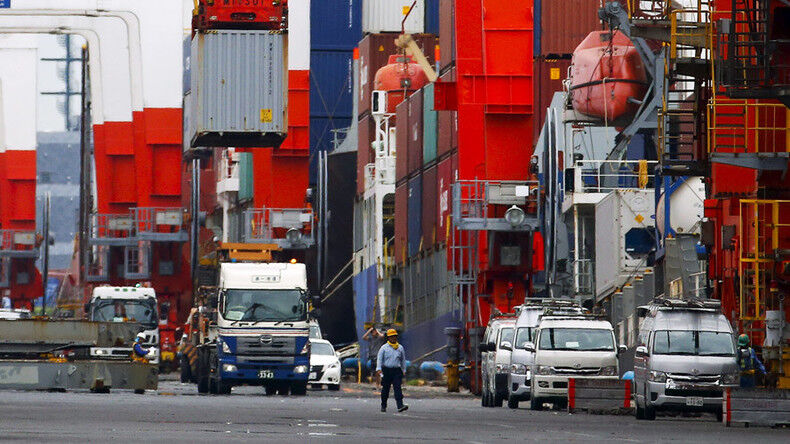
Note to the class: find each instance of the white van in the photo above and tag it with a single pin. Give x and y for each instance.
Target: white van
(571, 347)
(495, 359)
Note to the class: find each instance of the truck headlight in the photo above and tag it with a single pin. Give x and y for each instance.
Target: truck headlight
(518, 369)
(300, 369)
(100, 352)
(730, 379)
(656, 376)
(225, 347)
(545, 370)
(609, 370)
(229, 368)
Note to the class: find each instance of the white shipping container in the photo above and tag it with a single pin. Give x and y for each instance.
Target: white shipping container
(617, 214)
(387, 16)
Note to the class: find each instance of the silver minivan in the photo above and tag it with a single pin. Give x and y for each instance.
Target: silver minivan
(685, 359)
(495, 359)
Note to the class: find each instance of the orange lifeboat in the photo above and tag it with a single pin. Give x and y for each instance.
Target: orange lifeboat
(606, 72)
(399, 77)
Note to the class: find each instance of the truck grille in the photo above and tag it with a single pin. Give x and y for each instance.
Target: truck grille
(684, 377)
(270, 346)
(584, 371)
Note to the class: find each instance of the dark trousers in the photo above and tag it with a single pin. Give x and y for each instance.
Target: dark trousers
(394, 377)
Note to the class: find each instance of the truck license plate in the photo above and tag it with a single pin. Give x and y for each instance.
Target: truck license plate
(266, 374)
(694, 401)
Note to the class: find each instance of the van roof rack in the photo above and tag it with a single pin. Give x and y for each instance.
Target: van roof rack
(695, 303)
(576, 317)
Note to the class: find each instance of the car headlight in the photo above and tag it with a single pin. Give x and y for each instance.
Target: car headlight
(519, 369)
(545, 370)
(225, 347)
(610, 370)
(100, 352)
(656, 376)
(229, 368)
(730, 379)
(300, 369)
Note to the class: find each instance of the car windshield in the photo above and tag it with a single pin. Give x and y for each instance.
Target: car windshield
(506, 335)
(125, 310)
(576, 339)
(692, 342)
(264, 305)
(523, 335)
(320, 348)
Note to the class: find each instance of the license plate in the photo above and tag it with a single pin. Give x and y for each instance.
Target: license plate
(694, 401)
(266, 374)
(313, 375)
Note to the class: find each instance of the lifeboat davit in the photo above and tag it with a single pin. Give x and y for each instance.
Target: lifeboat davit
(400, 77)
(606, 72)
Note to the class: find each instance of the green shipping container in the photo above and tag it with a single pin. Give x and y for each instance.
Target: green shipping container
(429, 125)
(246, 185)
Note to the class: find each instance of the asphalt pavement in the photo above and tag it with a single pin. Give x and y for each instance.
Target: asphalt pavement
(176, 413)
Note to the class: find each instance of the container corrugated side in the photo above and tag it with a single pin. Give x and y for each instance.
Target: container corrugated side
(365, 135)
(387, 16)
(331, 84)
(429, 126)
(401, 241)
(239, 82)
(414, 144)
(402, 141)
(336, 25)
(432, 17)
(374, 52)
(246, 184)
(187, 65)
(446, 32)
(415, 214)
(549, 74)
(564, 24)
(429, 235)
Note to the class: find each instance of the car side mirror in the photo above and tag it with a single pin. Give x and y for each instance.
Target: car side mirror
(87, 308)
(622, 349)
(529, 346)
(506, 346)
(641, 351)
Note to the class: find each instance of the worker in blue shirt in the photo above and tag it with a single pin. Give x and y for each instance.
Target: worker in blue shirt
(138, 352)
(748, 362)
(391, 365)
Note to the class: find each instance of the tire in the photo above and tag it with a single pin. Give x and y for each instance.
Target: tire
(719, 416)
(203, 384)
(139, 391)
(498, 400)
(283, 390)
(223, 388)
(270, 390)
(299, 388)
(186, 371)
(535, 403)
(333, 387)
(649, 410)
(512, 402)
(640, 412)
(483, 399)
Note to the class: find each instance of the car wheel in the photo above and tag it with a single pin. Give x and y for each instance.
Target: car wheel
(139, 391)
(640, 412)
(299, 388)
(649, 411)
(202, 384)
(497, 400)
(512, 402)
(333, 387)
(223, 388)
(719, 416)
(535, 403)
(484, 399)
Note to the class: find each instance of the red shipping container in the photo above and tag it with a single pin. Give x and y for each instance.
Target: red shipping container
(401, 141)
(549, 74)
(444, 179)
(429, 207)
(447, 122)
(414, 143)
(374, 52)
(401, 222)
(446, 33)
(564, 24)
(366, 133)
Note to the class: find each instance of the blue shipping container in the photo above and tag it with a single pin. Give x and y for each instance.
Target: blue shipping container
(536, 31)
(331, 83)
(321, 138)
(335, 25)
(415, 214)
(432, 17)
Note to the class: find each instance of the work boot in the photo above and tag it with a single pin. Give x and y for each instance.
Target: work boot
(403, 408)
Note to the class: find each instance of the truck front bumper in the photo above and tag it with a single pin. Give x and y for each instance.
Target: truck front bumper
(519, 386)
(687, 397)
(260, 374)
(556, 386)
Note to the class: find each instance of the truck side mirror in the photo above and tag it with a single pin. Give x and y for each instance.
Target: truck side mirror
(641, 351)
(622, 349)
(529, 346)
(505, 345)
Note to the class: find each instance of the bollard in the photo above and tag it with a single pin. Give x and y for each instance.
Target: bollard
(453, 358)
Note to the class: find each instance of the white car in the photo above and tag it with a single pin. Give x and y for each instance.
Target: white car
(324, 365)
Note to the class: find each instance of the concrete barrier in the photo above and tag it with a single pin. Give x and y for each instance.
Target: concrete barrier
(599, 396)
(756, 406)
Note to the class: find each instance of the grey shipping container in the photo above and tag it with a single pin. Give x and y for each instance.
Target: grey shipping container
(415, 215)
(387, 16)
(240, 89)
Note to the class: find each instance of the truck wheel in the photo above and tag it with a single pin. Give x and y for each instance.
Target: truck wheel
(333, 387)
(299, 388)
(512, 402)
(202, 384)
(223, 388)
(283, 390)
(270, 390)
(497, 400)
(640, 412)
(649, 412)
(186, 371)
(139, 391)
(212, 386)
(535, 403)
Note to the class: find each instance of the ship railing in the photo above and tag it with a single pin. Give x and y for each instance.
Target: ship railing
(605, 176)
(495, 205)
(160, 224)
(112, 229)
(288, 228)
(18, 243)
(742, 126)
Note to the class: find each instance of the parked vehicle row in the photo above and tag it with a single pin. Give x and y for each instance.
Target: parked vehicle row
(685, 358)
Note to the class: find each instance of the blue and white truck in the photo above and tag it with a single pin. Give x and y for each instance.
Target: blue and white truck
(261, 332)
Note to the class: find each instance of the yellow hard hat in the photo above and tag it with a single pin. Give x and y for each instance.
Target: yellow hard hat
(392, 332)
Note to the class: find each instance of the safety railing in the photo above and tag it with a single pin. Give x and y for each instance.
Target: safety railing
(286, 227)
(18, 243)
(112, 228)
(160, 223)
(605, 176)
(744, 126)
(475, 202)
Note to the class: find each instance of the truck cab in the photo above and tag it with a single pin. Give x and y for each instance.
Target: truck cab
(571, 347)
(126, 304)
(685, 359)
(263, 329)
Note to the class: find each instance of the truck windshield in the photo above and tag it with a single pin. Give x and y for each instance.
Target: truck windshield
(576, 339)
(264, 305)
(506, 336)
(523, 335)
(125, 310)
(692, 342)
